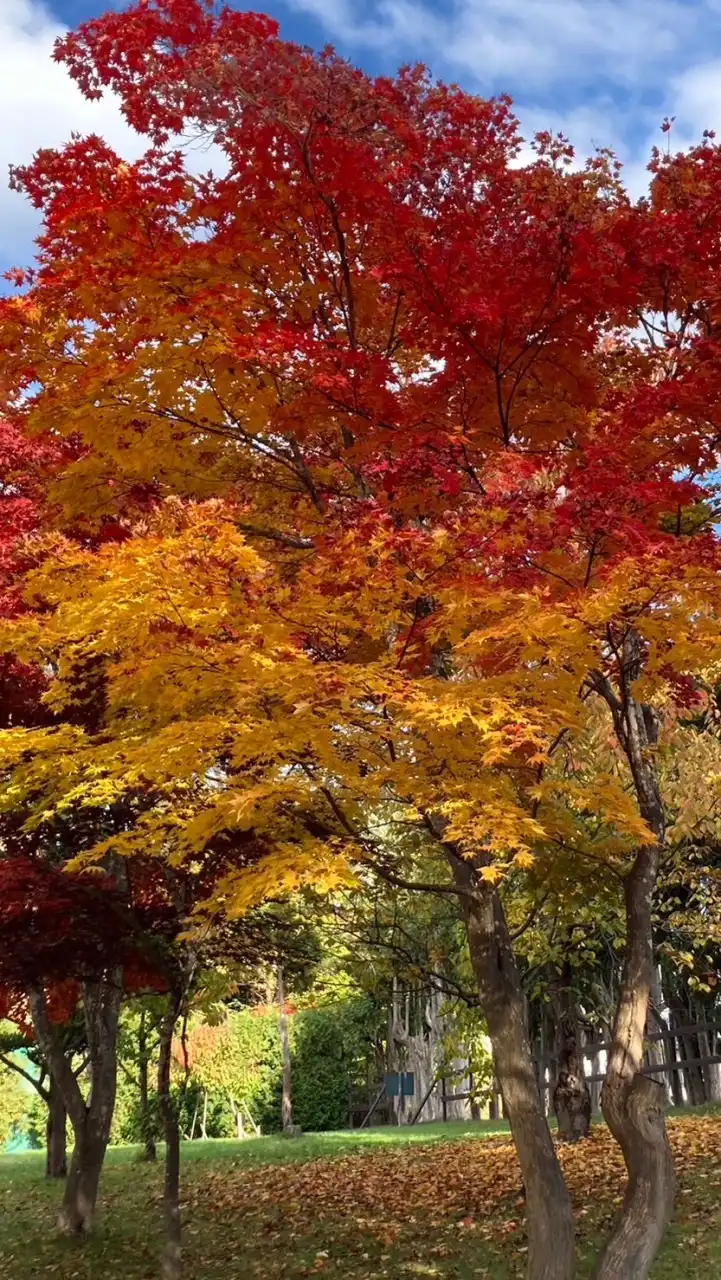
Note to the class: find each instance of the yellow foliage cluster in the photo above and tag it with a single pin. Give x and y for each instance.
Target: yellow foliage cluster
(222, 722)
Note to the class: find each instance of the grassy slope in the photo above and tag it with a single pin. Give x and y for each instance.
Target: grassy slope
(435, 1201)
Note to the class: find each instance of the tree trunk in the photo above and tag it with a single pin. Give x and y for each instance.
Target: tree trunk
(172, 1262)
(674, 1051)
(551, 1253)
(195, 1117)
(146, 1116)
(571, 1097)
(287, 1097)
(170, 1107)
(239, 1123)
(708, 1049)
(172, 1268)
(101, 1003)
(56, 1163)
(595, 1071)
(81, 1188)
(90, 1120)
(633, 1104)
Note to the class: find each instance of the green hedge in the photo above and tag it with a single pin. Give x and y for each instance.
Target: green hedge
(329, 1049)
(242, 1059)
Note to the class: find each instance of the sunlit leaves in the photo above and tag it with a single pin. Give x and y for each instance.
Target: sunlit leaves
(380, 445)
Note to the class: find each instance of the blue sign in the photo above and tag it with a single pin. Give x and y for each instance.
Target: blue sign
(400, 1084)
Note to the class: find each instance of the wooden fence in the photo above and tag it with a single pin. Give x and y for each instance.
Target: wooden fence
(685, 1056)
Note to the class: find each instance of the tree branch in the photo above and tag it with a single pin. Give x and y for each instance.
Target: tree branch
(37, 1085)
(275, 535)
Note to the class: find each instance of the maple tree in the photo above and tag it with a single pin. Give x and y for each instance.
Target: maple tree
(25, 465)
(89, 938)
(407, 445)
(69, 941)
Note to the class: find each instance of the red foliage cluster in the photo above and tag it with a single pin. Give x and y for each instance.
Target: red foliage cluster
(57, 925)
(508, 278)
(24, 463)
(201, 1044)
(59, 929)
(61, 1000)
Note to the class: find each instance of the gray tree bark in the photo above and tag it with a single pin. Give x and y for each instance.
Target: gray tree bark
(287, 1096)
(633, 1103)
(146, 1117)
(172, 1260)
(56, 1160)
(90, 1120)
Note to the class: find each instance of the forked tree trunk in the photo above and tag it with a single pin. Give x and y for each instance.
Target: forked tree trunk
(551, 1252)
(90, 1120)
(101, 1004)
(633, 1103)
(56, 1162)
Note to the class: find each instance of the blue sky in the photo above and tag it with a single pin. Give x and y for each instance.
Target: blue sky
(604, 71)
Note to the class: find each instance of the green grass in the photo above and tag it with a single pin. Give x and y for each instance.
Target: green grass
(224, 1238)
(316, 1146)
(437, 1200)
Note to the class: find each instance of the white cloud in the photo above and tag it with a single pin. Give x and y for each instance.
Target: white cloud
(603, 72)
(587, 126)
(40, 106)
(572, 40)
(397, 26)
(497, 43)
(695, 100)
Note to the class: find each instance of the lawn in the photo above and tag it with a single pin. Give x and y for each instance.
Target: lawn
(435, 1200)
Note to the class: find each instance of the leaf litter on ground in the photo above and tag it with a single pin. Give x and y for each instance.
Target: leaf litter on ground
(451, 1210)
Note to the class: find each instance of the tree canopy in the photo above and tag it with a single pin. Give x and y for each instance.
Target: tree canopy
(379, 484)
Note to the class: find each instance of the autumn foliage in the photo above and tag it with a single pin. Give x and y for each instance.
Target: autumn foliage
(389, 472)
(375, 405)
(60, 929)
